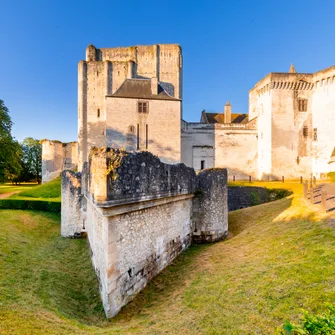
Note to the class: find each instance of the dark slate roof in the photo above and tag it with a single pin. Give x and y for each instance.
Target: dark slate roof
(219, 118)
(141, 88)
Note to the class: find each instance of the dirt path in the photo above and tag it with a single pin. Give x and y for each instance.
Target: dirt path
(6, 195)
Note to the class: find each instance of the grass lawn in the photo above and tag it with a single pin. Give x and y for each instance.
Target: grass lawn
(278, 259)
(10, 188)
(50, 191)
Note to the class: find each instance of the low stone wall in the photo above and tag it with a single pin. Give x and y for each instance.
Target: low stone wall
(139, 216)
(245, 196)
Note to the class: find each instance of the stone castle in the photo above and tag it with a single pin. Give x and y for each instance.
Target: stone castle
(131, 98)
(140, 207)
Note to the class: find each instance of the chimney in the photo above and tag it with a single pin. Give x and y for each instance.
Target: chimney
(154, 85)
(130, 73)
(227, 113)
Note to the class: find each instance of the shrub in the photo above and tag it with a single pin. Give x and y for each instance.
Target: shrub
(255, 198)
(322, 324)
(48, 206)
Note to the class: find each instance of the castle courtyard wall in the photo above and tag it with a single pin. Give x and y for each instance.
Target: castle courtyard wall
(230, 146)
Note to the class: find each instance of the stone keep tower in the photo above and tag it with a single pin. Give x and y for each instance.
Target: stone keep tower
(112, 82)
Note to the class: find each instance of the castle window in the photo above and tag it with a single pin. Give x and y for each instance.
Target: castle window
(142, 107)
(98, 113)
(305, 131)
(202, 165)
(302, 105)
(315, 134)
(131, 129)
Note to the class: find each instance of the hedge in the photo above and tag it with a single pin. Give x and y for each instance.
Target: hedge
(40, 205)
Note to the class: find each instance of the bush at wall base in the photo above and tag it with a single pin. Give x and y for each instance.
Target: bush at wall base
(41, 205)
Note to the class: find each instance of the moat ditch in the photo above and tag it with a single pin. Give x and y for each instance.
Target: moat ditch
(246, 196)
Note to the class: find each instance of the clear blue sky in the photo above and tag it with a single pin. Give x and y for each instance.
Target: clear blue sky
(227, 47)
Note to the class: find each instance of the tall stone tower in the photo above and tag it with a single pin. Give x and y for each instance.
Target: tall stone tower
(100, 78)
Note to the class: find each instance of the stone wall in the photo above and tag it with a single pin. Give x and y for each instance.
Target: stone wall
(210, 211)
(56, 157)
(139, 216)
(245, 196)
(73, 221)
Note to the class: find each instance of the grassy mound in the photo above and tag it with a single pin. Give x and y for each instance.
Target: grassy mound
(279, 259)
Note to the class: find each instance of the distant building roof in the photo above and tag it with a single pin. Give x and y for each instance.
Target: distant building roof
(141, 88)
(219, 118)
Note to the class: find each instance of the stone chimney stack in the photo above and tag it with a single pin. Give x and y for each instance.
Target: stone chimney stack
(154, 85)
(227, 113)
(130, 72)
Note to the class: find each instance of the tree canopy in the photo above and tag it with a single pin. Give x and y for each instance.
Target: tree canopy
(10, 149)
(32, 159)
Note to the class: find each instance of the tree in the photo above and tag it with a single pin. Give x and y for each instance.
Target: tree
(10, 150)
(32, 159)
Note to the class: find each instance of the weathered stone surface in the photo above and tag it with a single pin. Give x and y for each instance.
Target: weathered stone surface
(210, 208)
(139, 176)
(72, 219)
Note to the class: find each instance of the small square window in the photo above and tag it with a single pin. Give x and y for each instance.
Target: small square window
(142, 107)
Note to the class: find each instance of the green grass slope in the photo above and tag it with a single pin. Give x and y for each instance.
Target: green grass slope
(49, 191)
(278, 259)
(10, 188)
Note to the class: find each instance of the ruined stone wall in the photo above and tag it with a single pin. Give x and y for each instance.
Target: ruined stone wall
(210, 211)
(102, 74)
(138, 214)
(73, 221)
(323, 109)
(159, 129)
(56, 157)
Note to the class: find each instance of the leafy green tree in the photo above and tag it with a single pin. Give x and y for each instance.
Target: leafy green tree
(10, 150)
(32, 159)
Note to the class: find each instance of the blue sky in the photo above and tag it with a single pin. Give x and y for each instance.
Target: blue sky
(227, 47)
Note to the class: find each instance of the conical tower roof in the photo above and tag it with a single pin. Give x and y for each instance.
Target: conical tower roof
(292, 69)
